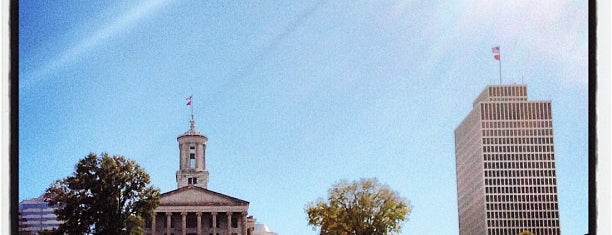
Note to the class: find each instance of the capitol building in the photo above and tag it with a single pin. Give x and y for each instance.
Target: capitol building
(193, 209)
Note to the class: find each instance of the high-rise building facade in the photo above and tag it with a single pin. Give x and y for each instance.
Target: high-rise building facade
(506, 180)
(36, 216)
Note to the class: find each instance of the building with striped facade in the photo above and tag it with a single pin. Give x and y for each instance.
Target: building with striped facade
(36, 216)
(505, 165)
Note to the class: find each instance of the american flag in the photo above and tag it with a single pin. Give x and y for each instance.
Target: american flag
(496, 52)
(188, 100)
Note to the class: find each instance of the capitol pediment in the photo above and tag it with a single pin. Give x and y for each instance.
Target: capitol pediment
(196, 196)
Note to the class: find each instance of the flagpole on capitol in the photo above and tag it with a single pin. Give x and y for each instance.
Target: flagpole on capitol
(497, 56)
(190, 104)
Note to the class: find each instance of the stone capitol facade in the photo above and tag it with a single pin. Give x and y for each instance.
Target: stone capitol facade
(192, 209)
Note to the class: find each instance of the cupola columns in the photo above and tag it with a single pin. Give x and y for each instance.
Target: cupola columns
(192, 158)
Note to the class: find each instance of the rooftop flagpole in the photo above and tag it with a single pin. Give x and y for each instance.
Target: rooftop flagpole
(496, 55)
(190, 104)
(500, 77)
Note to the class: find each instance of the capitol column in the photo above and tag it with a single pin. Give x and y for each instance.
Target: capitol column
(168, 222)
(153, 223)
(214, 224)
(200, 157)
(244, 223)
(184, 159)
(184, 222)
(199, 226)
(229, 223)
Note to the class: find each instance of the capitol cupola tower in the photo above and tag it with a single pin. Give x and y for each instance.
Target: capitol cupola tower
(192, 164)
(192, 208)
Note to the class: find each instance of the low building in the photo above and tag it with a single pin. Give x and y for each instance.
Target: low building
(35, 216)
(262, 229)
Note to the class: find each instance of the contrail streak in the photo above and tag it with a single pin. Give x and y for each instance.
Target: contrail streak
(122, 23)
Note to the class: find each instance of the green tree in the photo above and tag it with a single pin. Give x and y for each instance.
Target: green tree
(526, 232)
(105, 195)
(364, 207)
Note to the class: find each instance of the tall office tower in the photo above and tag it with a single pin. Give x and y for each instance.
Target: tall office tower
(505, 160)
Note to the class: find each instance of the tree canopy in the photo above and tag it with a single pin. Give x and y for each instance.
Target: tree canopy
(105, 195)
(364, 207)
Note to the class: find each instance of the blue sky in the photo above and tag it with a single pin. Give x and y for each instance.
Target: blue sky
(295, 96)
